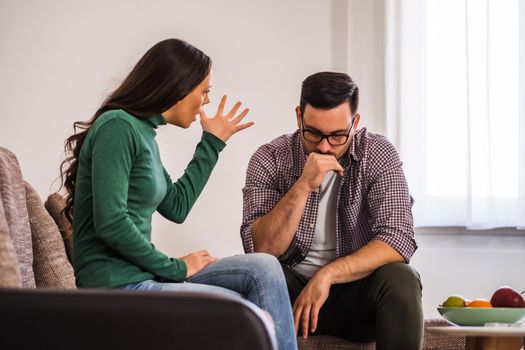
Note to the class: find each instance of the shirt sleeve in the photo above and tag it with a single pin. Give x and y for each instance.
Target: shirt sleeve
(260, 193)
(182, 194)
(114, 146)
(389, 201)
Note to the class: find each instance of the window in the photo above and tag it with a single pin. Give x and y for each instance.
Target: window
(457, 119)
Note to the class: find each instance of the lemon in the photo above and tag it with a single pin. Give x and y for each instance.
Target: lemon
(454, 301)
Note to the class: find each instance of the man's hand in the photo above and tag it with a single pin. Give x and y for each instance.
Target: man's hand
(224, 125)
(315, 169)
(309, 302)
(197, 261)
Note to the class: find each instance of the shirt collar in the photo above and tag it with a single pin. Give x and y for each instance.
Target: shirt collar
(354, 152)
(356, 148)
(156, 120)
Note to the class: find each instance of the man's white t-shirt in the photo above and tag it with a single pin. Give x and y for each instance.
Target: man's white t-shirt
(322, 250)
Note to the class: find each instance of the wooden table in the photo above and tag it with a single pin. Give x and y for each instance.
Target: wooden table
(485, 338)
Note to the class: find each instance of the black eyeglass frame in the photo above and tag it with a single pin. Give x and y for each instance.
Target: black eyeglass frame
(327, 137)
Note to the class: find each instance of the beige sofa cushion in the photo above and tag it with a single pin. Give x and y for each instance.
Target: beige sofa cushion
(50, 263)
(54, 204)
(13, 197)
(9, 269)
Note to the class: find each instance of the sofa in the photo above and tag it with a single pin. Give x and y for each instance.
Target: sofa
(41, 307)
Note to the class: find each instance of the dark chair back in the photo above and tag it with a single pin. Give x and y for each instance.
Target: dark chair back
(115, 319)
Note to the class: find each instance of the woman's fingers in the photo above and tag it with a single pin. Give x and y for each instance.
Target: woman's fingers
(197, 261)
(220, 111)
(243, 126)
(205, 260)
(241, 116)
(234, 110)
(201, 252)
(224, 126)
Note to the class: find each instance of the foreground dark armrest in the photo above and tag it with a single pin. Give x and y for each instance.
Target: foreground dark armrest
(115, 319)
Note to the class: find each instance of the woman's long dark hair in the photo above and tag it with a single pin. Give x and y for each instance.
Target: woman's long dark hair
(166, 73)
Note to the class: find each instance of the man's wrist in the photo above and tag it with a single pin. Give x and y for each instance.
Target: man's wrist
(302, 187)
(327, 274)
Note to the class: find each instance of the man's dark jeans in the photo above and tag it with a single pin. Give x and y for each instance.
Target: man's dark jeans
(385, 307)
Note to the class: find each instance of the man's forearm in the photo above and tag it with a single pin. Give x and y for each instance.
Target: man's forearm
(273, 233)
(361, 263)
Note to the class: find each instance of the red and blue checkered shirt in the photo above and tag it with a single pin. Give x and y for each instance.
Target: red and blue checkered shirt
(373, 197)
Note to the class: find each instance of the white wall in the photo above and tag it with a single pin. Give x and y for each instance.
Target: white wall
(359, 49)
(60, 58)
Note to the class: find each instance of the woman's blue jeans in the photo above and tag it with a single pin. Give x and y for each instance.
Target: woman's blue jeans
(257, 277)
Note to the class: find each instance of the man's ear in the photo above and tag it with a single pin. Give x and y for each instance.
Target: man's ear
(357, 118)
(298, 115)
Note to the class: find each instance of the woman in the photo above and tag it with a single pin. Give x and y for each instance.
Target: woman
(115, 182)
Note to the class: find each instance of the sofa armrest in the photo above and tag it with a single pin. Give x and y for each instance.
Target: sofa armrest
(116, 319)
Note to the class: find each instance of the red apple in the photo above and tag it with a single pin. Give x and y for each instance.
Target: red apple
(507, 297)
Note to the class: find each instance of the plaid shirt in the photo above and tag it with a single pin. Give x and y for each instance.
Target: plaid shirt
(373, 198)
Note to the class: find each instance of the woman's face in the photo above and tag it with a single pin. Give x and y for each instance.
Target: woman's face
(184, 112)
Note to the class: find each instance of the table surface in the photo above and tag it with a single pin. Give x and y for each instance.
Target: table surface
(513, 331)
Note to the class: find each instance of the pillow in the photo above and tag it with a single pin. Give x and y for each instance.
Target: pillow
(50, 263)
(9, 269)
(54, 204)
(13, 197)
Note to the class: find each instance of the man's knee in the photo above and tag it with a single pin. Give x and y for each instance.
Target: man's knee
(398, 298)
(399, 280)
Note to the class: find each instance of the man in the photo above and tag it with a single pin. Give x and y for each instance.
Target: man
(332, 203)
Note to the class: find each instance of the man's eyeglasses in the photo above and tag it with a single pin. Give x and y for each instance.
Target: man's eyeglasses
(333, 139)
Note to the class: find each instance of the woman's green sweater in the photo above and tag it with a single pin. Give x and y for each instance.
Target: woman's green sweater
(120, 183)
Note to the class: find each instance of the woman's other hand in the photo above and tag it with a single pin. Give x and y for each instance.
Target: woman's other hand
(224, 125)
(197, 261)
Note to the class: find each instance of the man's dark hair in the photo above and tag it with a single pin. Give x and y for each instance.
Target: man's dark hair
(326, 90)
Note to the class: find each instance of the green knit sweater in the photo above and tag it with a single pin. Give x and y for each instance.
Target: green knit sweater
(120, 183)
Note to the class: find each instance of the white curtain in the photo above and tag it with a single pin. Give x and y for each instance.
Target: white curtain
(455, 108)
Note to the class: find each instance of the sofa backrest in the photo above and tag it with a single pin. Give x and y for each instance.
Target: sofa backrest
(39, 258)
(9, 269)
(50, 262)
(55, 205)
(12, 191)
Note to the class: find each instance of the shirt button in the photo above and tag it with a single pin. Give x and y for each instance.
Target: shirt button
(312, 226)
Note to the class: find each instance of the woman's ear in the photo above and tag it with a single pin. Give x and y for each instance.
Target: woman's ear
(298, 115)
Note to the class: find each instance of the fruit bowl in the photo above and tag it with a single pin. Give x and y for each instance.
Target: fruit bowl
(479, 316)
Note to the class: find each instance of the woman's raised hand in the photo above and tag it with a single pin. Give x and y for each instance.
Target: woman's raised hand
(224, 125)
(197, 261)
